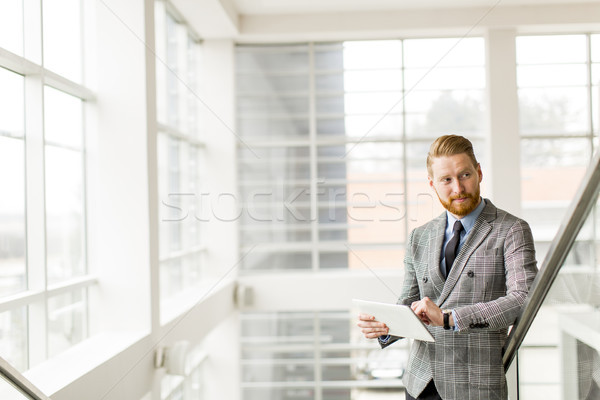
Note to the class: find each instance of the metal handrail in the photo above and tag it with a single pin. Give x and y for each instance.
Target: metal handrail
(15, 378)
(579, 209)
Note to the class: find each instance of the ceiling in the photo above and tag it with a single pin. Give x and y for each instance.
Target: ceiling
(293, 20)
(267, 7)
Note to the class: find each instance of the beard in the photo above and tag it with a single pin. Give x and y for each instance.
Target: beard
(464, 208)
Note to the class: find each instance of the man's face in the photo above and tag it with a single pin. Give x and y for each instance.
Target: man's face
(456, 182)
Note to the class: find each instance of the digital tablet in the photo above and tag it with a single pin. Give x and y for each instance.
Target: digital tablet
(401, 319)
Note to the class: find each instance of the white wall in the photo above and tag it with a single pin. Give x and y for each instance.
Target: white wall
(223, 377)
(324, 291)
(218, 119)
(503, 173)
(118, 178)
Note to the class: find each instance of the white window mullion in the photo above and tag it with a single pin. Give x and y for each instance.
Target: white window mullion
(152, 10)
(86, 256)
(160, 32)
(405, 141)
(36, 227)
(317, 356)
(68, 86)
(314, 212)
(181, 78)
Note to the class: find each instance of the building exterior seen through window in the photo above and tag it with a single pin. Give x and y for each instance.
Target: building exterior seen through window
(331, 168)
(558, 77)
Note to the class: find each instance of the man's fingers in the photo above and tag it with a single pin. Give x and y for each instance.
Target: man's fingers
(370, 324)
(373, 335)
(418, 306)
(366, 317)
(374, 332)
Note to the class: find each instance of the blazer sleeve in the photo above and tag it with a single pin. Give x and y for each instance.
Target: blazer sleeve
(520, 270)
(410, 289)
(385, 341)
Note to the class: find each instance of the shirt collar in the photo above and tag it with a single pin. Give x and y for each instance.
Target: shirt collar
(468, 220)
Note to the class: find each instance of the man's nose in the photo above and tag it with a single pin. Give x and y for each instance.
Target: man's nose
(457, 187)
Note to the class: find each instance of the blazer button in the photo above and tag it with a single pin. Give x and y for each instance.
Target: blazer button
(425, 279)
(470, 274)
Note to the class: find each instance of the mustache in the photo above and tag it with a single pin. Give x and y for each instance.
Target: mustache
(462, 196)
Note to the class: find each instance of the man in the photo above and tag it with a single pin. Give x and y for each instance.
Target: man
(466, 280)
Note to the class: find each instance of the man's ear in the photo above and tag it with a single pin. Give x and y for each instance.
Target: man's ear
(430, 179)
(479, 172)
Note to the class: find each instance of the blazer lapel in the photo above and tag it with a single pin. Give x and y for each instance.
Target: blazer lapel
(477, 235)
(437, 240)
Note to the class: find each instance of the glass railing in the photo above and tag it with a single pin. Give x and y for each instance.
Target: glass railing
(14, 386)
(557, 338)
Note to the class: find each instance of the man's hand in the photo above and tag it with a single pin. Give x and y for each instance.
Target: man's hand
(371, 328)
(428, 312)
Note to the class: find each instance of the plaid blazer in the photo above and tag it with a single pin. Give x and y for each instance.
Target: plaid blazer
(486, 288)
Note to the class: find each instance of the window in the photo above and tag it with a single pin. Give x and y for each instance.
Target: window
(557, 77)
(44, 277)
(12, 172)
(63, 48)
(332, 176)
(11, 26)
(64, 171)
(335, 135)
(180, 155)
(318, 355)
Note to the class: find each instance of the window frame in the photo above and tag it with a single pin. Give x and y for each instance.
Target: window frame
(38, 290)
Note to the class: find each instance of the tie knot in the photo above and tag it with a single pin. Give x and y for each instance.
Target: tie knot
(457, 227)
